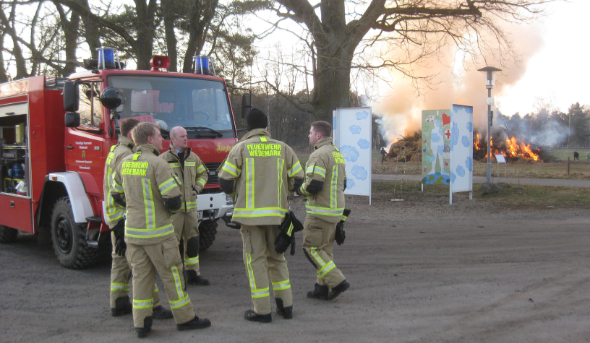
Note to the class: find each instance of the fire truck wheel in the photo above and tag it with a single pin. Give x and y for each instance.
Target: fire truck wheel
(69, 238)
(207, 232)
(7, 235)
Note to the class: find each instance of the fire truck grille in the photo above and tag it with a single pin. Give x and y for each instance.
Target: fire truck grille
(213, 179)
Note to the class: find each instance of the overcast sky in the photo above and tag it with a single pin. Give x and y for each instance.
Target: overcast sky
(560, 69)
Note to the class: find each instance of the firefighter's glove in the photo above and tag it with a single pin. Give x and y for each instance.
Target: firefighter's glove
(297, 226)
(120, 246)
(282, 242)
(340, 235)
(119, 232)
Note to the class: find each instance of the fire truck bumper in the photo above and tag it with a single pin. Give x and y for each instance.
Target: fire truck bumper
(212, 206)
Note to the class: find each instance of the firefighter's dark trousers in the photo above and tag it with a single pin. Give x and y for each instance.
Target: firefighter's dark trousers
(261, 261)
(164, 258)
(318, 245)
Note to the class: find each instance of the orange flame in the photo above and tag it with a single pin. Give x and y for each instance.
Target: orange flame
(476, 143)
(513, 149)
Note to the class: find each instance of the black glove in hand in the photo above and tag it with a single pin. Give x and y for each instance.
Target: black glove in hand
(340, 234)
(282, 242)
(119, 232)
(120, 246)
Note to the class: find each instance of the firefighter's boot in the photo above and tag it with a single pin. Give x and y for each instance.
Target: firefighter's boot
(255, 317)
(161, 312)
(319, 292)
(193, 279)
(147, 328)
(343, 286)
(285, 312)
(122, 306)
(195, 323)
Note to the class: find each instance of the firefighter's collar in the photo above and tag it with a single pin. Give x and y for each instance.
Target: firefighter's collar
(322, 142)
(256, 132)
(173, 151)
(126, 142)
(149, 147)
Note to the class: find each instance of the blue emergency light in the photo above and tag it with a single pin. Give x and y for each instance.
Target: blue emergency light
(203, 65)
(106, 58)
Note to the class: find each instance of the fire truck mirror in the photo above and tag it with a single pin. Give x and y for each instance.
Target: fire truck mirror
(111, 98)
(246, 105)
(71, 96)
(72, 119)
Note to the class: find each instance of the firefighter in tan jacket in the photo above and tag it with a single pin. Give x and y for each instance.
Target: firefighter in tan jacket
(193, 173)
(325, 182)
(150, 191)
(120, 269)
(261, 171)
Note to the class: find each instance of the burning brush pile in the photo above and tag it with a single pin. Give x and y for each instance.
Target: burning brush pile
(513, 149)
(407, 148)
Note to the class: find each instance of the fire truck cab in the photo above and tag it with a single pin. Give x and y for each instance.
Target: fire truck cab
(52, 168)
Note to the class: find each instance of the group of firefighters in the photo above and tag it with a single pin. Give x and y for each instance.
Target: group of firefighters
(151, 206)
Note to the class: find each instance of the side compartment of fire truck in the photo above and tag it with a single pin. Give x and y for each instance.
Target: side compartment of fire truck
(32, 201)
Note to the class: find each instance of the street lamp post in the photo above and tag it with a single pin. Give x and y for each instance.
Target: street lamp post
(490, 81)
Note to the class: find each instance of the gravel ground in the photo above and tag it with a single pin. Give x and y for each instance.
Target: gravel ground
(420, 270)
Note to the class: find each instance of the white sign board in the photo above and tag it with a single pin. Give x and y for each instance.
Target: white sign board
(500, 158)
(353, 135)
(461, 150)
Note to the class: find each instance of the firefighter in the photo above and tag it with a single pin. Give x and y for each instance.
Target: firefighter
(325, 182)
(260, 171)
(120, 269)
(194, 174)
(150, 191)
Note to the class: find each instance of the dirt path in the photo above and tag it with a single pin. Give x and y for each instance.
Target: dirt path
(420, 272)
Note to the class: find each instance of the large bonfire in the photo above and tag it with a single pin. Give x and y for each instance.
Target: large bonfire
(409, 148)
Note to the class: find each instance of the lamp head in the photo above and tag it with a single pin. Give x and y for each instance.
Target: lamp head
(490, 75)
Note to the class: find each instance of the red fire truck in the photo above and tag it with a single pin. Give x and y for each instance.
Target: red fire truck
(51, 169)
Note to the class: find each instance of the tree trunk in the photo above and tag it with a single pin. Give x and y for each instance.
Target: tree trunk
(332, 83)
(71, 35)
(3, 73)
(200, 19)
(146, 30)
(91, 32)
(171, 40)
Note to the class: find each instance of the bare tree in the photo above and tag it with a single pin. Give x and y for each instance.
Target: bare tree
(336, 31)
(144, 23)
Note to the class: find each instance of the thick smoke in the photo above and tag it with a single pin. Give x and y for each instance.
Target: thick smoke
(551, 132)
(402, 106)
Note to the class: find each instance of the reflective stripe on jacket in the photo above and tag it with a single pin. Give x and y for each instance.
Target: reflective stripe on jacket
(194, 176)
(264, 170)
(146, 180)
(119, 151)
(325, 164)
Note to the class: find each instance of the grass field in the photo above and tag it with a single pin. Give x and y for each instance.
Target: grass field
(558, 170)
(515, 197)
(578, 170)
(512, 197)
(563, 154)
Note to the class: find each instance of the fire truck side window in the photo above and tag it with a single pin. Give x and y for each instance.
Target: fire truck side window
(90, 106)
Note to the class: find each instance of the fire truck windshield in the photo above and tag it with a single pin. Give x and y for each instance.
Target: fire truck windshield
(201, 106)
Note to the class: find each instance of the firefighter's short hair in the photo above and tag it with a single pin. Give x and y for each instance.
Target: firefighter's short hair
(127, 125)
(142, 131)
(322, 127)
